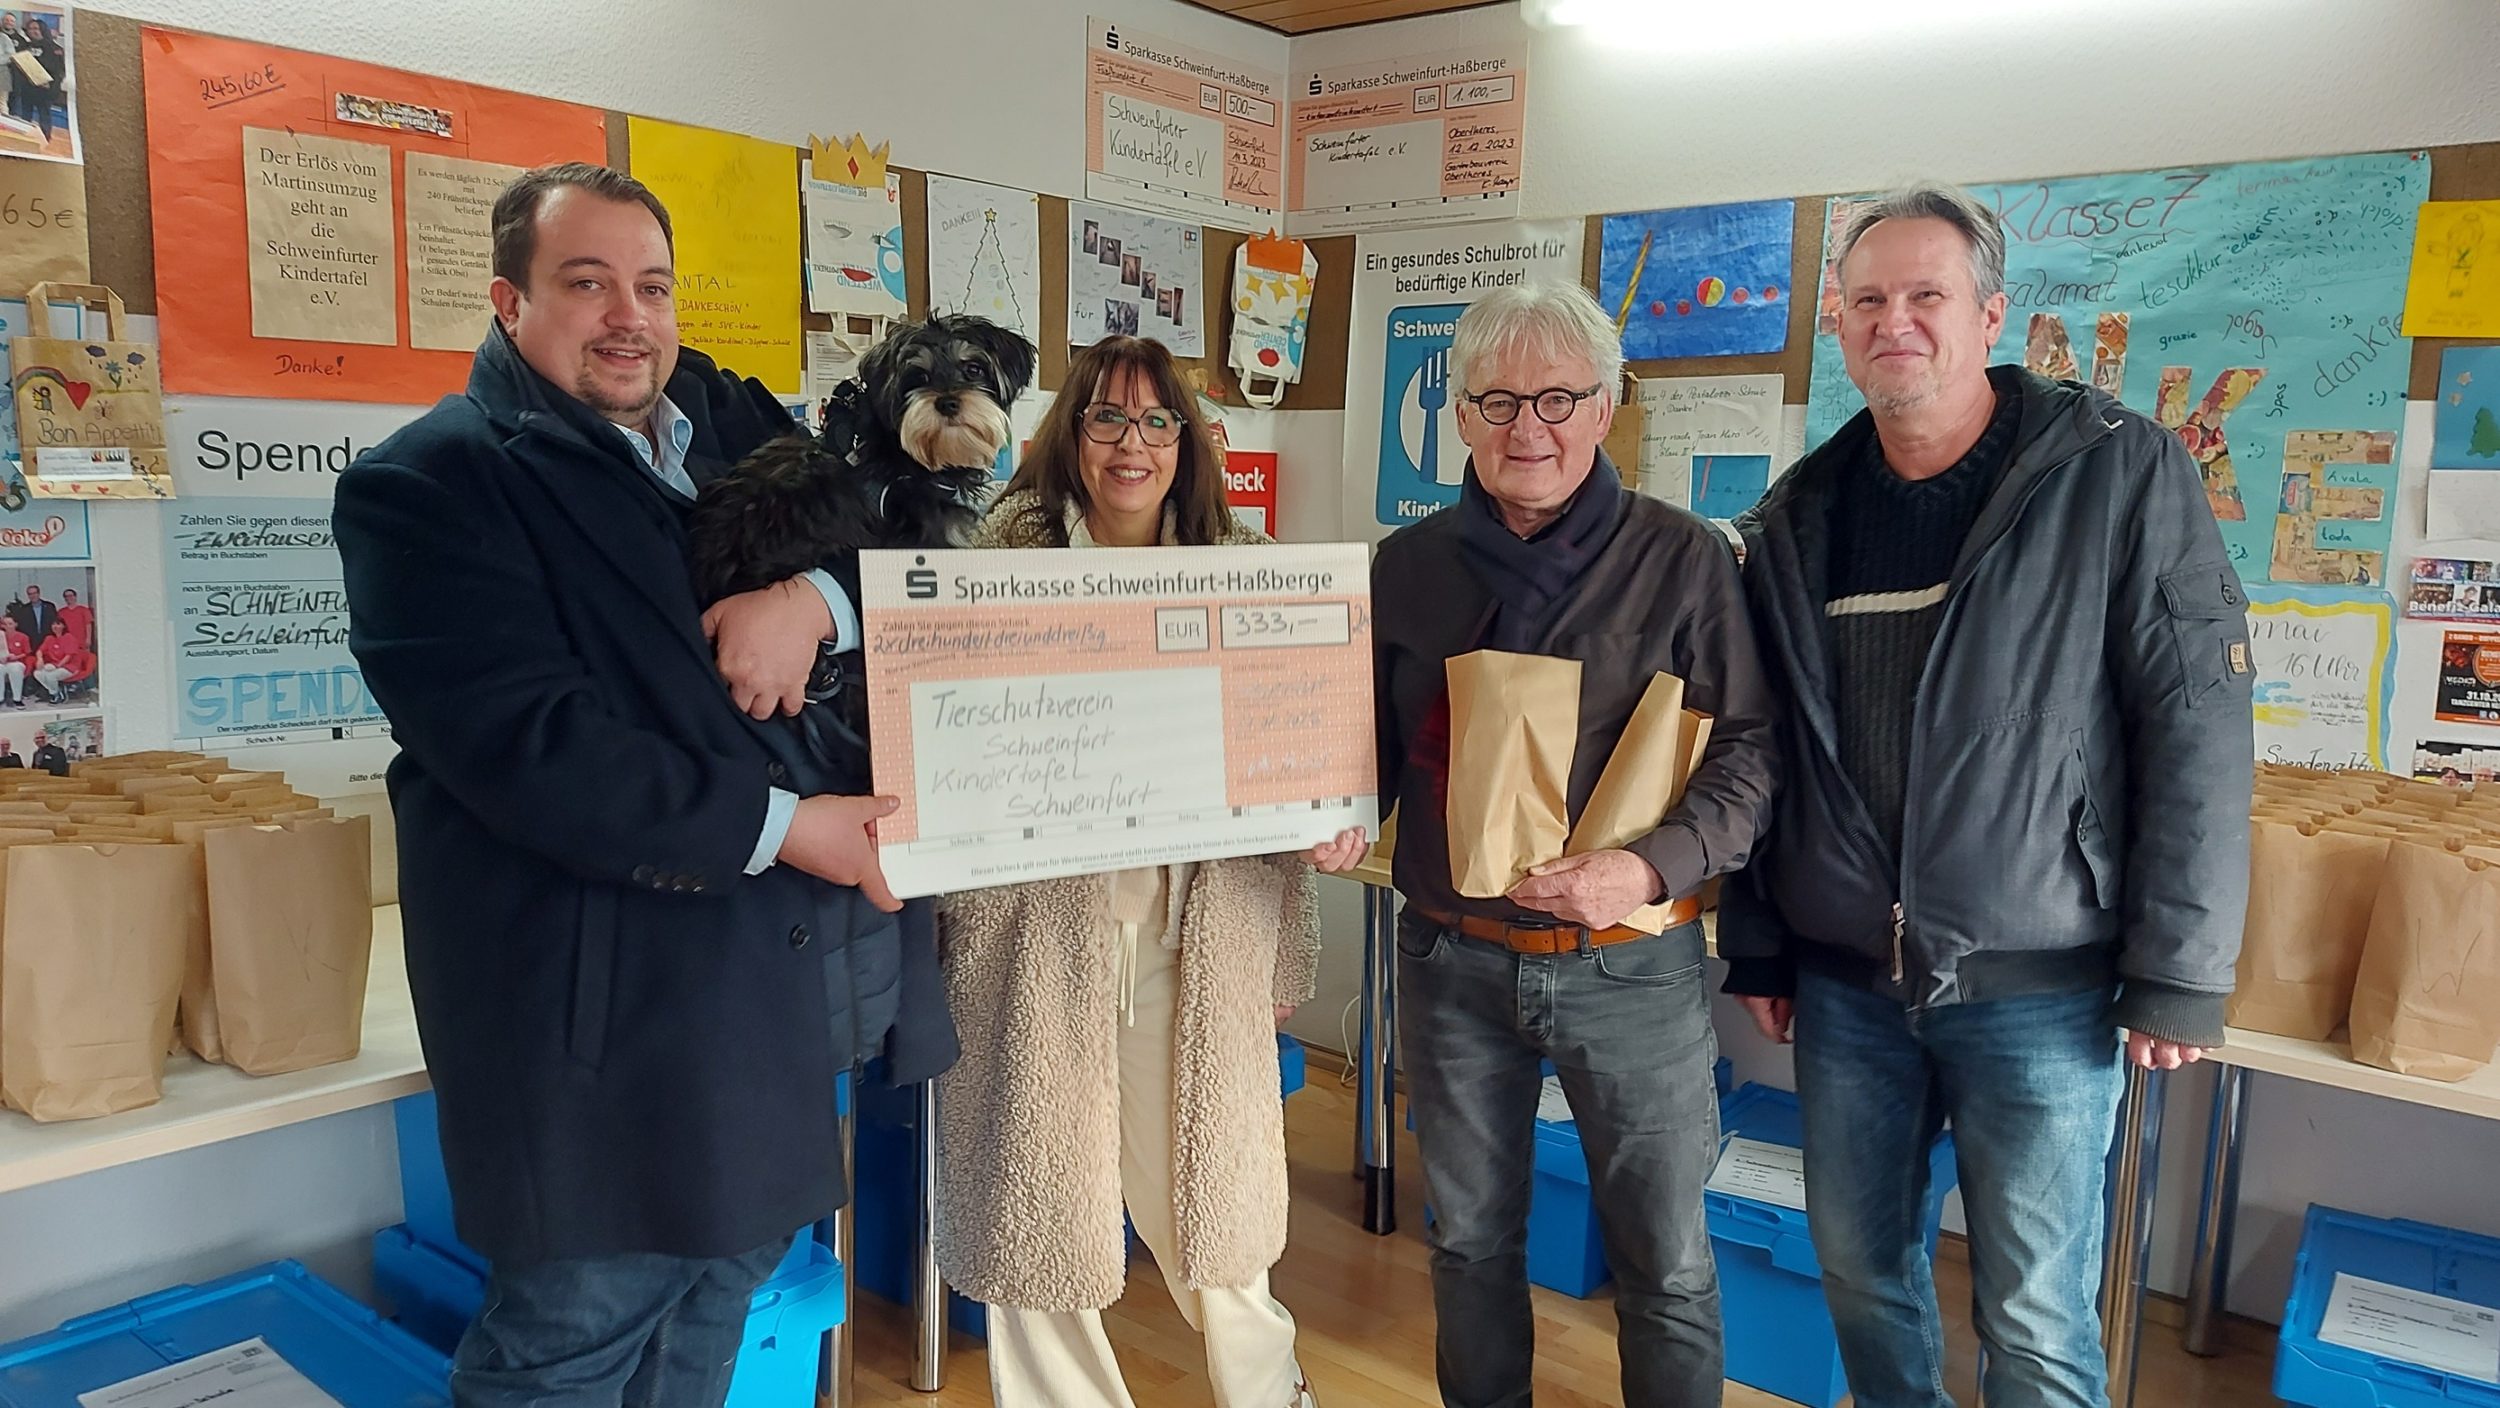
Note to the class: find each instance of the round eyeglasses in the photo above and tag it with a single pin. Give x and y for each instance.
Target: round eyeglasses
(1554, 405)
(1106, 424)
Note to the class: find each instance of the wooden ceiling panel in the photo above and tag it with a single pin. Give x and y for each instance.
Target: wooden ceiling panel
(1307, 16)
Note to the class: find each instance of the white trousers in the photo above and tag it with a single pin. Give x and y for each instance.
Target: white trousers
(1062, 1359)
(13, 679)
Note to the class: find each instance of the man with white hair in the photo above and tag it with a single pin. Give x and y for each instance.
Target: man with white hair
(2012, 823)
(1547, 553)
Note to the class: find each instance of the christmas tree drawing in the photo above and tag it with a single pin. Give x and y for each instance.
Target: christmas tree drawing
(988, 289)
(2486, 441)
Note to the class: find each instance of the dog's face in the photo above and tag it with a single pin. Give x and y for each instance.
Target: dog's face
(942, 388)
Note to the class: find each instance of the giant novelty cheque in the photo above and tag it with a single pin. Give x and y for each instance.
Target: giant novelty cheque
(1059, 713)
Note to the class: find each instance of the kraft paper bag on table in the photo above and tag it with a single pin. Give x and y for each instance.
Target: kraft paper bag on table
(2427, 1000)
(90, 411)
(1643, 780)
(198, 1026)
(291, 940)
(1514, 720)
(91, 962)
(2310, 893)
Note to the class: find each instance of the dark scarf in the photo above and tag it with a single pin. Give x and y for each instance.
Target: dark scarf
(1531, 576)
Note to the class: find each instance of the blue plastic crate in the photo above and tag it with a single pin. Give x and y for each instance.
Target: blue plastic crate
(885, 1199)
(343, 1348)
(1291, 1064)
(1723, 1075)
(1566, 1252)
(2414, 1255)
(425, 1190)
(1566, 1248)
(437, 1294)
(1779, 1329)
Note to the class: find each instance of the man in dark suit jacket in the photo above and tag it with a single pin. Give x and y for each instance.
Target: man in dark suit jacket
(644, 934)
(49, 757)
(34, 616)
(8, 755)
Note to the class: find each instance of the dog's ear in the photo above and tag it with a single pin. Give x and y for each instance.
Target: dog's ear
(880, 363)
(1015, 356)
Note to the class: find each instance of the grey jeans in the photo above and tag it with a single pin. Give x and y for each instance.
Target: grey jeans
(1627, 1027)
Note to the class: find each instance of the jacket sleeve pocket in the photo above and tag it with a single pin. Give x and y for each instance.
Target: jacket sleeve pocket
(2209, 627)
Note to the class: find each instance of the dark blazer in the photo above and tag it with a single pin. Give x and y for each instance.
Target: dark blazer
(634, 1043)
(34, 620)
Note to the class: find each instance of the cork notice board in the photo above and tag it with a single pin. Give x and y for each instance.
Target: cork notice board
(121, 243)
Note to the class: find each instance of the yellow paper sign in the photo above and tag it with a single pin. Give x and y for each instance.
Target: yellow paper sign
(2455, 291)
(734, 204)
(43, 223)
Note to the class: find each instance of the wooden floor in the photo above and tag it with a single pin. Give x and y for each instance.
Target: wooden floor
(1365, 1308)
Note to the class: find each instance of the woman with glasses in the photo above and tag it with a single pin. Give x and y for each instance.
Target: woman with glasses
(1119, 1030)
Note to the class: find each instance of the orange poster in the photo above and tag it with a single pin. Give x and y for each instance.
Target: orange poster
(286, 247)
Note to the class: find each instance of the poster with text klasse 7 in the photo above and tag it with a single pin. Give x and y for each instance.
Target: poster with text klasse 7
(322, 226)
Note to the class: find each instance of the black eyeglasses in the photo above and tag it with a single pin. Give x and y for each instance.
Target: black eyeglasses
(1106, 424)
(1554, 405)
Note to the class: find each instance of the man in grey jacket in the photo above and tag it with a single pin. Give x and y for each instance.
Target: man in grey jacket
(2013, 827)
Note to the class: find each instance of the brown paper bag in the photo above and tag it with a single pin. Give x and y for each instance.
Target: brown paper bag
(1514, 720)
(1643, 779)
(2310, 893)
(2427, 1000)
(291, 940)
(200, 1029)
(90, 972)
(90, 410)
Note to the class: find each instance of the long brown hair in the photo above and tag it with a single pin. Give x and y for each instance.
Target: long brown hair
(1050, 472)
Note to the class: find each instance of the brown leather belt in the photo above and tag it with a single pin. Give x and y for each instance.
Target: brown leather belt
(1559, 938)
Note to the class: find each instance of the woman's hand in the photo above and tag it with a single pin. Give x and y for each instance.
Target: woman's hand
(1340, 854)
(1284, 1014)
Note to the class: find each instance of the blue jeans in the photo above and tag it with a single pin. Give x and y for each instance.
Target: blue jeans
(610, 1332)
(1627, 1027)
(2031, 1085)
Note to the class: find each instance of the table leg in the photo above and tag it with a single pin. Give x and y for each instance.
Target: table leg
(2217, 1208)
(836, 1384)
(928, 1288)
(2130, 1242)
(1376, 1129)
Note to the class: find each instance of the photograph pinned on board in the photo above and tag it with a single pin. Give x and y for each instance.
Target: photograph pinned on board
(1136, 259)
(54, 744)
(39, 530)
(389, 115)
(48, 645)
(2454, 589)
(42, 117)
(2455, 764)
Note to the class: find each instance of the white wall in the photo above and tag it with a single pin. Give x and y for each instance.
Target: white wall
(1770, 108)
(1804, 97)
(990, 89)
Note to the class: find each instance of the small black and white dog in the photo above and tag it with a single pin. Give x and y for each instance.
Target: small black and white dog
(902, 461)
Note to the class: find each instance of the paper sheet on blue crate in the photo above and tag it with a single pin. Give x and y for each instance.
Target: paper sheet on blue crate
(247, 1375)
(2417, 1327)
